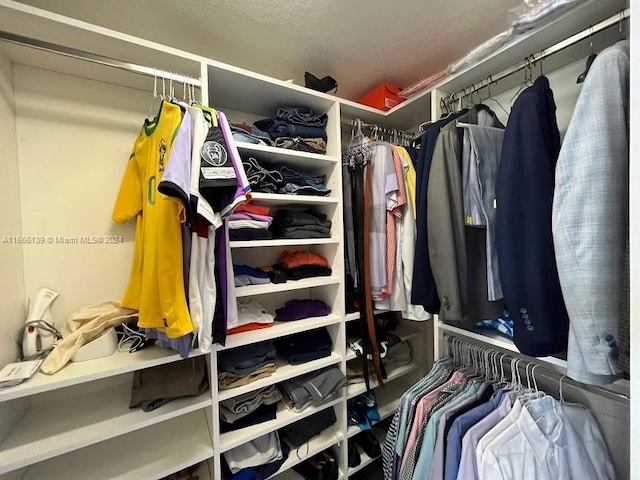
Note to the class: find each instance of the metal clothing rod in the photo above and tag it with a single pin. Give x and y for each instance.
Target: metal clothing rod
(99, 59)
(558, 47)
(605, 392)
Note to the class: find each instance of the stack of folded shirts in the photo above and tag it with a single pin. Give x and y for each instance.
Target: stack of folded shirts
(299, 309)
(305, 347)
(303, 264)
(251, 316)
(300, 392)
(249, 226)
(283, 180)
(244, 365)
(249, 409)
(244, 133)
(300, 224)
(296, 128)
(245, 275)
(248, 461)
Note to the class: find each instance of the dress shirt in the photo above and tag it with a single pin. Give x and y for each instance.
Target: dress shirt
(552, 441)
(476, 393)
(496, 431)
(461, 463)
(422, 410)
(591, 216)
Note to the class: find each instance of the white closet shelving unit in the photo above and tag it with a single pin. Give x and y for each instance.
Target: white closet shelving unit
(76, 423)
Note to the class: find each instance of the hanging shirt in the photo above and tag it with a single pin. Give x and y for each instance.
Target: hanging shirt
(156, 284)
(548, 442)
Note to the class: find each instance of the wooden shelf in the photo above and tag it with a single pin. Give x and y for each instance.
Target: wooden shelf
(283, 372)
(290, 158)
(317, 444)
(284, 417)
(279, 329)
(58, 427)
(359, 388)
(289, 285)
(277, 199)
(500, 341)
(81, 372)
(284, 242)
(149, 453)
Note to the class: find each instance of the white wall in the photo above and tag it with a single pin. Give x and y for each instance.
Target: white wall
(74, 139)
(11, 274)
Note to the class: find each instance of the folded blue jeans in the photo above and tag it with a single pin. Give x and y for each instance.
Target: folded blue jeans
(302, 116)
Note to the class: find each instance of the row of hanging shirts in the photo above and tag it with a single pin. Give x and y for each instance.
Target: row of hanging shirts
(465, 421)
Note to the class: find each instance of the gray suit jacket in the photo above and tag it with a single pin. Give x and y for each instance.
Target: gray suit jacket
(590, 216)
(461, 278)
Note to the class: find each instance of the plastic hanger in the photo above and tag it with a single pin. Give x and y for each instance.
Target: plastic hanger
(590, 59)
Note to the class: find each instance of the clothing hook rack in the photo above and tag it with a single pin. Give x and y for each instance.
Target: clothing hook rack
(98, 59)
(529, 61)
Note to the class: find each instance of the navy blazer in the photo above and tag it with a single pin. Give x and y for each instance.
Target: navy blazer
(524, 241)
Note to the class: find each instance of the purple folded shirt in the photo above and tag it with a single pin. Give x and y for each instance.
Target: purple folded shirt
(250, 216)
(299, 309)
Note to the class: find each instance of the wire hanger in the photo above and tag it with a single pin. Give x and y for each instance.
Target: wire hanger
(590, 58)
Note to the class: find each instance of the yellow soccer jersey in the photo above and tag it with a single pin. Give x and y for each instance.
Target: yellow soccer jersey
(156, 284)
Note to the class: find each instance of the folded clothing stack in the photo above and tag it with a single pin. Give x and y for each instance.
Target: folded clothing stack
(244, 133)
(396, 356)
(156, 386)
(299, 309)
(251, 316)
(250, 222)
(257, 459)
(249, 409)
(300, 432)
(283, 180)
(305, 346)
(296, 128)
(244, 365)
(245, 275)
(309, 223)
(300, 392)
(302, 264)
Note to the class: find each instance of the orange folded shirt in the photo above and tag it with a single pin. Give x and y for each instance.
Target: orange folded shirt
(253, 208)
(300, 258)
(248, 327)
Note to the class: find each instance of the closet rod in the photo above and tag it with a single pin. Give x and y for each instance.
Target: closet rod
(95, 58)
(547, 52)
(552, 374)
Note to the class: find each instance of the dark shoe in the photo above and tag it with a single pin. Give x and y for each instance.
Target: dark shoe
(353, 454)
(330, 466)
(369, 443)
(311, 469)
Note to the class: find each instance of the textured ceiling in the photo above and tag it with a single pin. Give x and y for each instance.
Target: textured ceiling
(361, 43)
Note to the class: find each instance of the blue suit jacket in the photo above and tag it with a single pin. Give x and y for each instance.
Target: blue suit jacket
(524, 194)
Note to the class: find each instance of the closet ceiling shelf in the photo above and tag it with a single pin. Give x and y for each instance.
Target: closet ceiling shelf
(279, 329)
(317, 444)
(497, 340)
(81, 372)
(290, 285)
(403, 331)
(276, 199)
(366, 460)
(97, 416)
(283, 155)
(151, 452)
(283, 418)
(359, 388)
(284, 242)
(284, 371)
